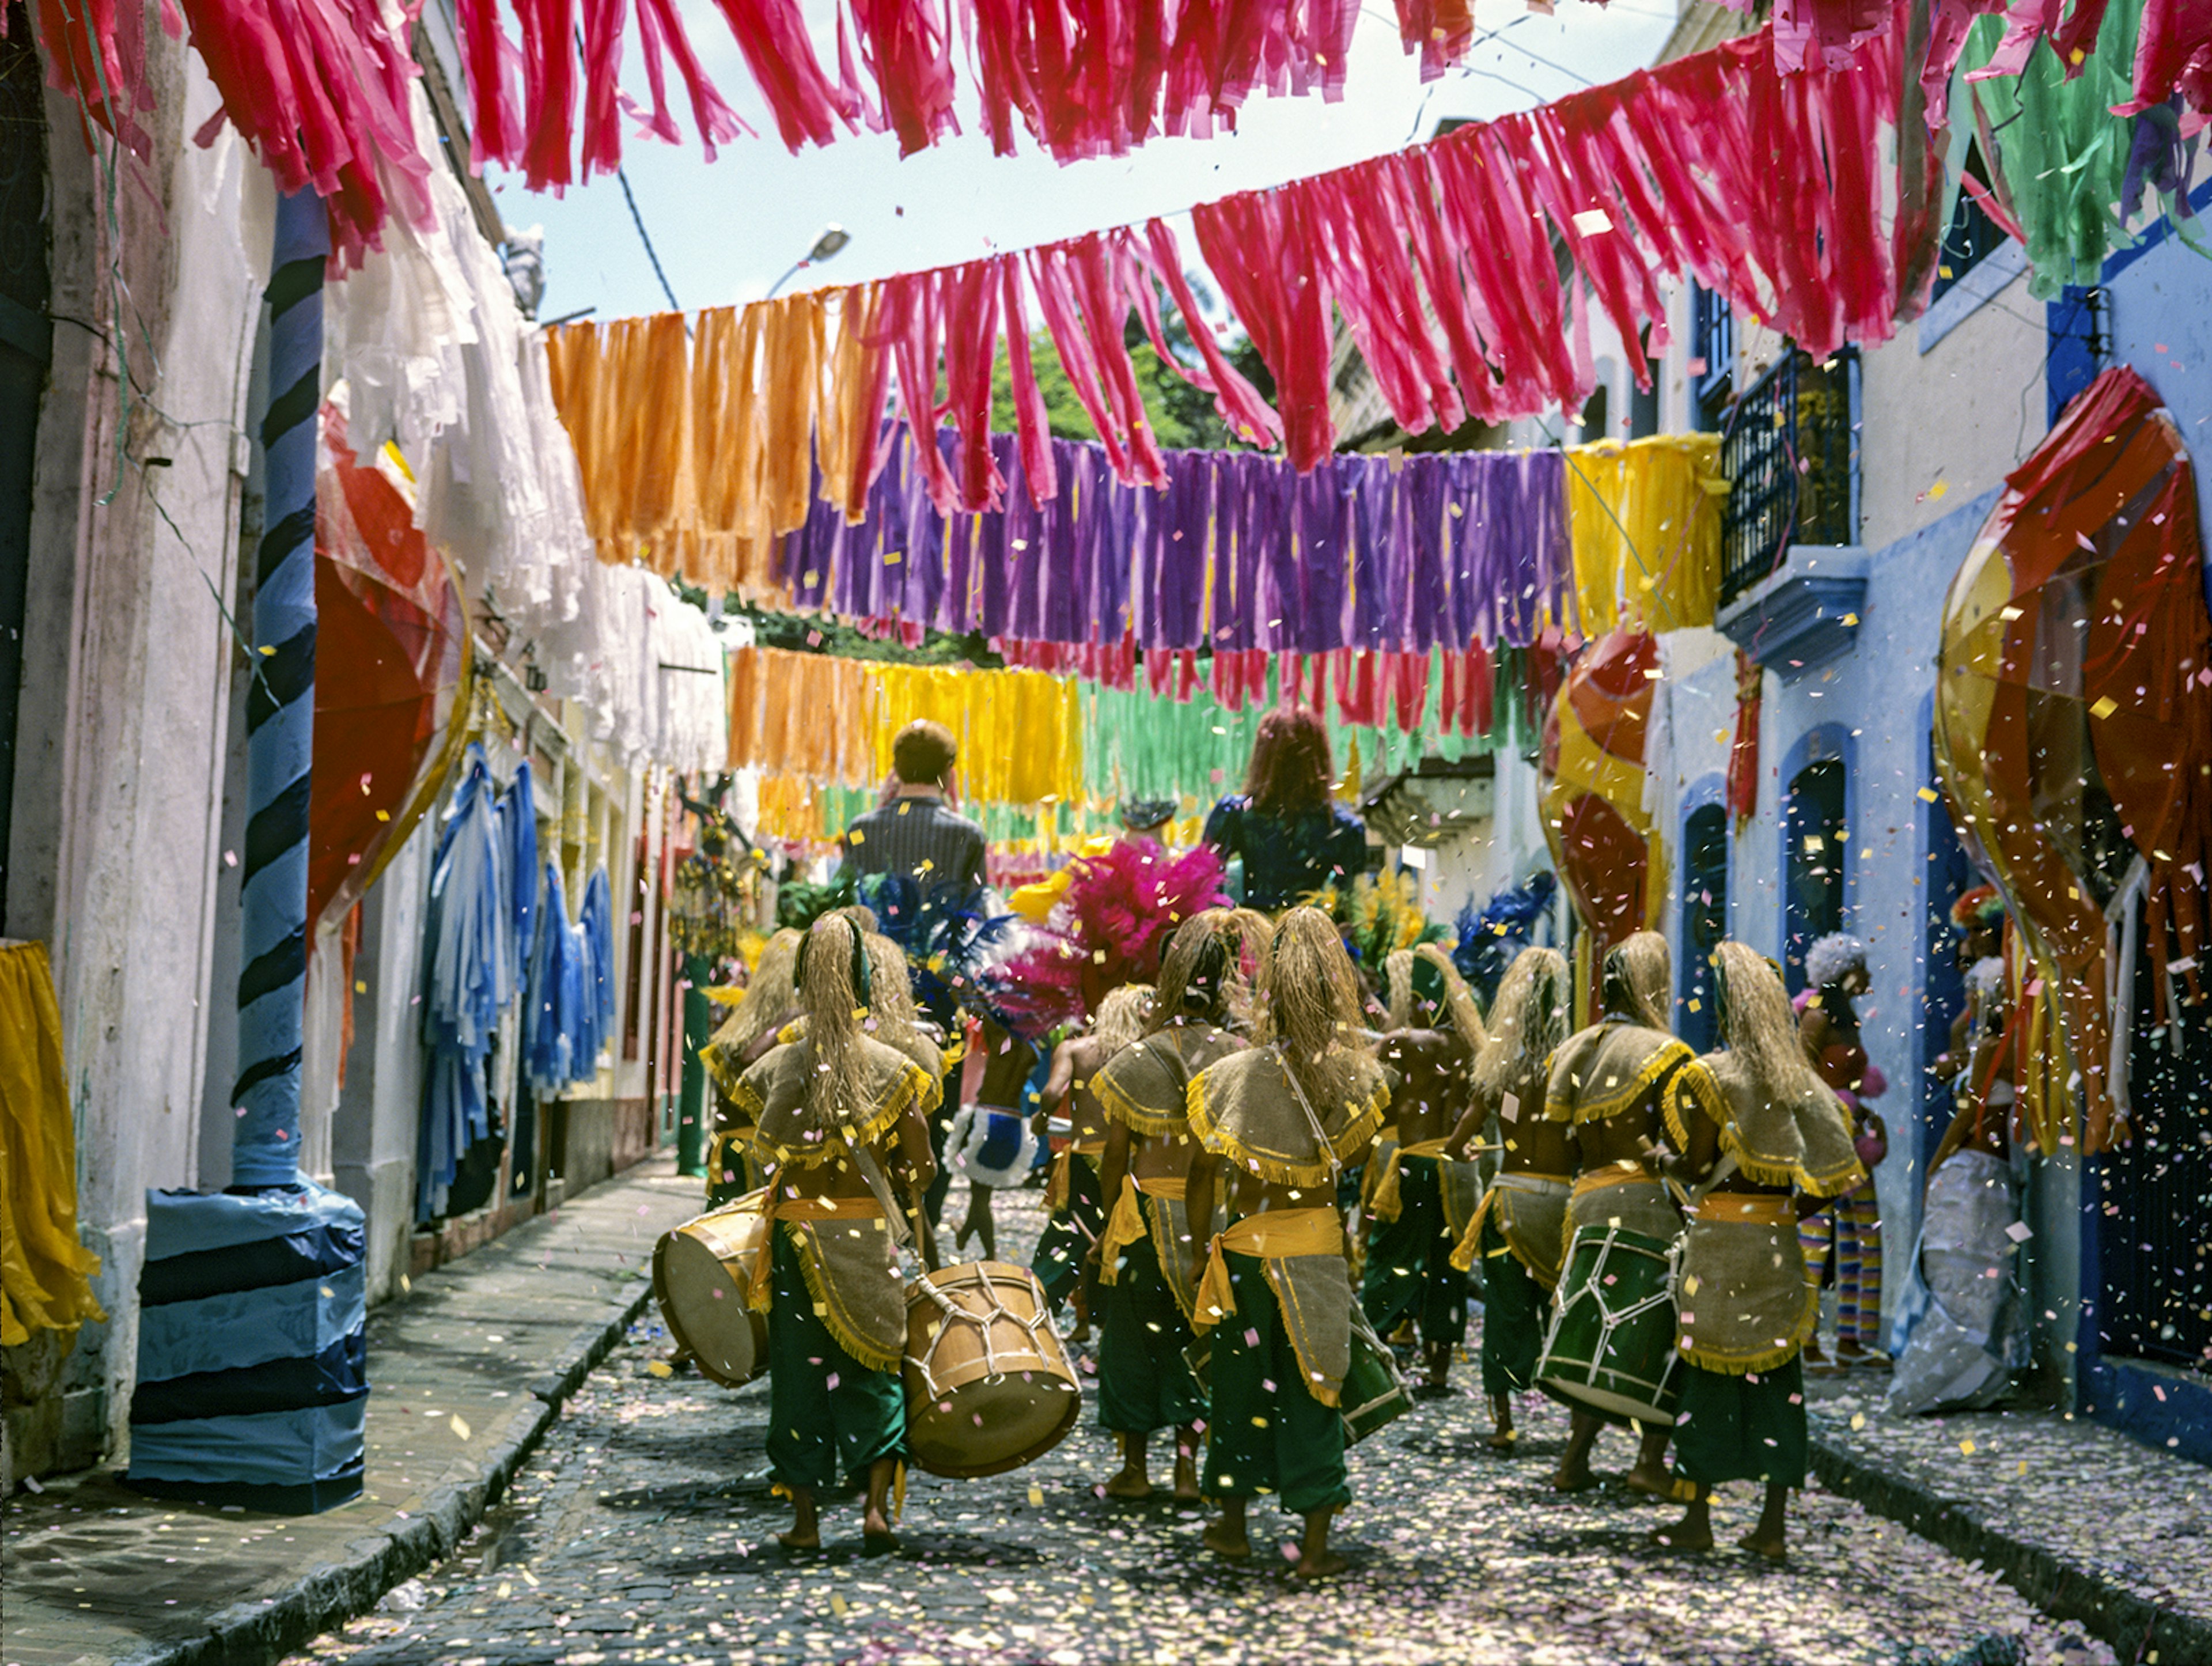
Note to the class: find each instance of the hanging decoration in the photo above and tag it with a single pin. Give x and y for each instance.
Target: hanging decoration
(392, 651)
(1604, 842)
(2068, 764)
(1646, 516)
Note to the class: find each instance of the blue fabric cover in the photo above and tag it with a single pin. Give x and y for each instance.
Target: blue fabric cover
(250, 1266)
(260, 1449)
(246, 1327)
(339, 1372)
(189, 1223)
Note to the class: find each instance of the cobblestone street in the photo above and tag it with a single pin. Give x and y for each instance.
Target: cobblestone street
(643, 1530)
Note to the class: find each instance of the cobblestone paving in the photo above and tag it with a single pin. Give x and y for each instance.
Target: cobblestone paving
(643, 1530)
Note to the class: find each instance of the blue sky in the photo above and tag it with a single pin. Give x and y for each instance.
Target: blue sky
(725, 230)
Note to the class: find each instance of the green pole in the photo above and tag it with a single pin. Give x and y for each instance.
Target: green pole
(691, 1101)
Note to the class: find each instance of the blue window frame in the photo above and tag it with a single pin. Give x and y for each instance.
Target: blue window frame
(1712, 355)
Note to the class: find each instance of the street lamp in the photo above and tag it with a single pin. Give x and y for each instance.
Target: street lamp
(833, 238)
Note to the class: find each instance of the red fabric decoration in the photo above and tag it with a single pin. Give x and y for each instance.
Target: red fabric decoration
(1743, 755)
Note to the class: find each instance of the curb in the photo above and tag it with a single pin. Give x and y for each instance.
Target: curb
(2138, 1628)
(256, 1633)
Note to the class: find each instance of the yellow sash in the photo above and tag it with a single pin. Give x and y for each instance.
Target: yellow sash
(1386, 1203)
(1740, 1208)
(781, 1206)
(1274, 1235)
(1126, 1224)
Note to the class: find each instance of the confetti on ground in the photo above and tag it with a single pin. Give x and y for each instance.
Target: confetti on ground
(643, 1530)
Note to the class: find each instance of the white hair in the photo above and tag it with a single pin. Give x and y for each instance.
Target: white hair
(1833, 957)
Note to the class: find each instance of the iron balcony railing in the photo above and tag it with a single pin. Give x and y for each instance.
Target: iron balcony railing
(1791, 454)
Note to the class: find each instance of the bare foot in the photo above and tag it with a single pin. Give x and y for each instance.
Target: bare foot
(1650, 1483)
(1775, 1549)
(1577, 1480)
(1683, 1536)
(1186, 1482)
(1127, 1484)
(1320, 1565)
(795, 1539)
(1222, 1542)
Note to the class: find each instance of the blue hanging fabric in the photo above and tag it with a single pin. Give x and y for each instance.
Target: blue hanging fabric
(547, 1021)
(596, 922)
(519, 811)
(469, 975)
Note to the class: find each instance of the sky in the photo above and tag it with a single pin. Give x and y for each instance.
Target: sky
(726, 230)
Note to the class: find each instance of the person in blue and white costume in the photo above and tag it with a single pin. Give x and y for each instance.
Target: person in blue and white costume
(991, 1140)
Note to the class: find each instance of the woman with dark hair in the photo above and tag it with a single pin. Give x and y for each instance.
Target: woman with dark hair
(1293, 838)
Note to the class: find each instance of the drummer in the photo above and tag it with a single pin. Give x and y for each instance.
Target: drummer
(1759, 1139)
(1520, 1230)
(1077, 1205)
(1278, 1123)
(1606, 1086)
(840, 1115)
(1143, 1261)
(1407, 1224)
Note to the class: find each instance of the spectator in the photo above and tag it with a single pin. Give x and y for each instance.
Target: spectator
(915, 832)
(1293, 839)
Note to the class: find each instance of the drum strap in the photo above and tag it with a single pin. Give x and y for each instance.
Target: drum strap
(879, 1183)
(1313, 1122)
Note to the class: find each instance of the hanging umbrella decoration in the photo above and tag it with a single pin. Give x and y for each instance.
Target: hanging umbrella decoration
(1604, 843)
(2074, 726)
(393, 658)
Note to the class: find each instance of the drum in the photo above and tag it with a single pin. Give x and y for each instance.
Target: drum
(989, 1386)
(1610, 1348)
(701, 1271)
(1374, 1392)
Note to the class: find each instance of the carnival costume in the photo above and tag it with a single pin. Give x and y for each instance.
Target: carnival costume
(1277, 1284)
(831, 1288)
(1426, 1202)
(1516, 1237)
(1145, 1381)
(1747, 1307)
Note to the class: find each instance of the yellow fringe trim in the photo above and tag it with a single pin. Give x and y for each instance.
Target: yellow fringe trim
(1725, 1364)
(1558, 1109)
(1696, 1080)
(1138, 1119)
(818, 1289)
(914, 1087)
(1354, 1137)
(744, 1095)
(719, 1070)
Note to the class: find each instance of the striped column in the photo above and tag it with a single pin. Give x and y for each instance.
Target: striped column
(280, 712)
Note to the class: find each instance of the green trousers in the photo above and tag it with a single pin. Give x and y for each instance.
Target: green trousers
(1514, 1310)
(1409, 1271)
(1265, 1432)
(823, 1404)
(1143, 1383)
(1741, 1428)
(1068, 1236)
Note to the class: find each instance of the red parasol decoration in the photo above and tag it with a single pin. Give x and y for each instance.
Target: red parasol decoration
(2073, 709)
(391, 665)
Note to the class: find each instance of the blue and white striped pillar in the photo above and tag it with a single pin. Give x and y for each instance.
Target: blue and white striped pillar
(253, 1358)
(280, 713)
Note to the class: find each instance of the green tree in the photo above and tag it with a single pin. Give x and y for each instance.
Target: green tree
(1183, 417)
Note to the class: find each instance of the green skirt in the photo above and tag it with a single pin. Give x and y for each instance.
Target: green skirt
(1741, 1428)
(824, 1406)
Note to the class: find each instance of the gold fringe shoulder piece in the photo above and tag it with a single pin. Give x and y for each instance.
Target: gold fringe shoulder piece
(1807, 1145)
(1620, 1084)
(1144, 1091)
(1261, 1128)
(790, 1131)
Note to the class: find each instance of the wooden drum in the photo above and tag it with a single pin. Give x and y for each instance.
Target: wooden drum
(988, 1387)
(701, 1272)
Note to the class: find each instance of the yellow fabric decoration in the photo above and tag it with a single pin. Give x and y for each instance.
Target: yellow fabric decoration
(1645, 522)
(45, 1271)
(1276, 1235)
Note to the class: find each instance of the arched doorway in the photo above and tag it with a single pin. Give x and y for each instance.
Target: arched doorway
(1704, 922)
(1814, 862)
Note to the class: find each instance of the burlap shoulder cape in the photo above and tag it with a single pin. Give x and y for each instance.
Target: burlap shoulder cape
(778, 1094)
(1602, 1071)
(1804, 1141)
(1145, 1086)
(1248, 1108)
